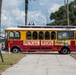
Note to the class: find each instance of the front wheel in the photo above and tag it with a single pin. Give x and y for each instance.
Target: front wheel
(64, 51)
(15, 50)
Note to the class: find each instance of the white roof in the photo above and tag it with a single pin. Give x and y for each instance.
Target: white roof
(66, 29)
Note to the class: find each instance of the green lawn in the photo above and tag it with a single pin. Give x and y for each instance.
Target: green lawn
(9, 60)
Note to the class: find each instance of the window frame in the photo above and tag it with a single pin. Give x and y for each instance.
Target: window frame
(35, 34)
(74, 35)
(41, 36)
(18, 35)
(49, 35)
(13, 35)
(55, 35)
(30, 35)
(6, 36)
(63, 37)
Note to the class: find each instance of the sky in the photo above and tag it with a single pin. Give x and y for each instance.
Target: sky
(13, 12)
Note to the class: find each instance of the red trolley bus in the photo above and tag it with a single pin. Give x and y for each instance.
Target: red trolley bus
(41, 39)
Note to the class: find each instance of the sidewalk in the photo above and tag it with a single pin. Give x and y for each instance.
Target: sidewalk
(48, 64)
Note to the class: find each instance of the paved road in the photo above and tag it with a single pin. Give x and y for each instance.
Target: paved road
(40, 64)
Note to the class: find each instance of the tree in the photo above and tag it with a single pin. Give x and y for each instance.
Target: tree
(60, 17)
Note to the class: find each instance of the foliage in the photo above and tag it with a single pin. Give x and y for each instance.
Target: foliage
(60, 17)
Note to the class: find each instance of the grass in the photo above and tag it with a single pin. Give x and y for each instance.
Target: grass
(73, 55)
(9, 60)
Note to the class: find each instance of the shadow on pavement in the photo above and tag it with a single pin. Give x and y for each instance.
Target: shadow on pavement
(42, 53)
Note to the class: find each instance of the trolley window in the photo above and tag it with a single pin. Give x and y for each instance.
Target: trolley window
(6, 35)
(65, 34)
(11, 35)
(17, 35)
(35, 35)
(41, 35)
(53, 35)
(28, 35)
(47, 35)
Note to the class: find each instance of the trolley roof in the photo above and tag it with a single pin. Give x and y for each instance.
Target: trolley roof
(46, 26)
(43, 28)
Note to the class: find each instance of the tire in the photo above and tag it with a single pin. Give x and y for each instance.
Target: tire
(59, 52)
(15, 50)
(64, 51)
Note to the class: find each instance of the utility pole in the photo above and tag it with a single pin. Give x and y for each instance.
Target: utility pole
(46, 18)
(75, 2)
(64, 2)
(0, 28)
(67, 13)
(26, 10)
(0, 15)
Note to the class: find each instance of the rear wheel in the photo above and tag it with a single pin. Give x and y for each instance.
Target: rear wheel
(15, 50)
(59, 52)
(64, 51)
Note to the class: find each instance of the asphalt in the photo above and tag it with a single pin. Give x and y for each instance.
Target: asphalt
(43, 64)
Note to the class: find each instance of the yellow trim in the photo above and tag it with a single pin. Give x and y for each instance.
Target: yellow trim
(23, 34)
